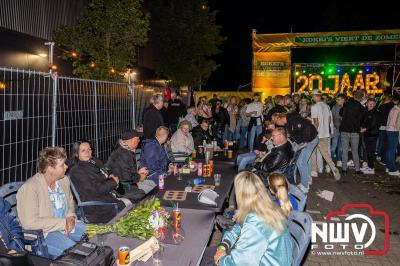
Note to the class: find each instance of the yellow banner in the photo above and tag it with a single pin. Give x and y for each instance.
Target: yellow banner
(271, 72)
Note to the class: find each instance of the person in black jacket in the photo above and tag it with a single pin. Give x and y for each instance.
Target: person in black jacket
(176, 109)
(280, 155)
(122, 162)
(94, 182)
(352, 114)
(164, 113)
(305, 135)
(221, 119)
(278, 108)
(370, 130)
(201, 133)
(152, 117)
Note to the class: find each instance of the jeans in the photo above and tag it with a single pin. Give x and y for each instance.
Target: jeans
(384, 144)
(254, 133)
(237, 130)
(336, 146)
(370, 145)
(323, 148)
(304, 162)
(392, 141)
(245, 159)
(354, 140)
(57, 241)
(243, 136)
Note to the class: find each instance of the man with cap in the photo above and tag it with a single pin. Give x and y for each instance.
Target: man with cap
(122, 162)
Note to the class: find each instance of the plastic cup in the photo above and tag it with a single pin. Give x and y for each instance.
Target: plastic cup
(217, 180)
(158, 256)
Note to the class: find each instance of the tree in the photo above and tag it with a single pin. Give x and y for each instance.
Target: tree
(185, 39)
(104, 41)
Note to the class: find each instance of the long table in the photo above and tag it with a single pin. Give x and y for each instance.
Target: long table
(172, 183)
(197, 225)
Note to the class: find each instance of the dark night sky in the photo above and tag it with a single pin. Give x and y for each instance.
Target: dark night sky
(237, 18)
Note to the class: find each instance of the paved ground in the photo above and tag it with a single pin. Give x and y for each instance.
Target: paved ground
(379, 190)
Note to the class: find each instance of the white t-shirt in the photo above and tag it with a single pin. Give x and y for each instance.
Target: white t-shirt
(258, 107)
(255, 106)
(322, 111)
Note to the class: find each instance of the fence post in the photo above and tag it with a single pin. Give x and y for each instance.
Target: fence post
(132, 89)
(54, 110)
(95, 120)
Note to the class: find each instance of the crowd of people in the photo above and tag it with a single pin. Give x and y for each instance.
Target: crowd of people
(321, 129)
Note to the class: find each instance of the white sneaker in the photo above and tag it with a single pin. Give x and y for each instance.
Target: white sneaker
(302, 188)
(364, 165)
(310, 180)
(336, 174)
(314, 174)
(368, 171)
(350, 163)
(396, 173)
(387, 170)
(339, 163)
(320, 170)
(327, 169)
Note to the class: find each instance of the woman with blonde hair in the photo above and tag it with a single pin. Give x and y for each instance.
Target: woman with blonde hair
(279, 188)
(260, 235)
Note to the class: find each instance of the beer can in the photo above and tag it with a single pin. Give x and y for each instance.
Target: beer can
(176, 219)
(194, 154)
(123, 256)
(161, 181)
(211, 167)
(199, 169)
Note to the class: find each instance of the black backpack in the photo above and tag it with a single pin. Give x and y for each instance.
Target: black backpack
(86, 254)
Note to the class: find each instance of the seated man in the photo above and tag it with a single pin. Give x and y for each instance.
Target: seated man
(122, 162)
(280, 155)
(182, 140)
(45, 202)
(263, 144)
(154, 156)
(201, 133)
(94, 182)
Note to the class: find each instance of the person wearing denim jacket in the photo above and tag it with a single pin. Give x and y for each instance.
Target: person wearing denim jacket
(260, 235)
(154, 156)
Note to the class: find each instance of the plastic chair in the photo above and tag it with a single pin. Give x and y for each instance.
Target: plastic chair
(299, 224)
(32, 238)
(300, 197)
(81, 204)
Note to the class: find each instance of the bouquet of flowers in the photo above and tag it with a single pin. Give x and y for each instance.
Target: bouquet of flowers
(143, 222)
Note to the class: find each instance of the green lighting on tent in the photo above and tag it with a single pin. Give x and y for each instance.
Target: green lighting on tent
(353, 70)
(304, 71)
(331, 70)
(322, 72)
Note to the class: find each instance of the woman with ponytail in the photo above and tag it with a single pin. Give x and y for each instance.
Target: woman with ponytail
(278, 187)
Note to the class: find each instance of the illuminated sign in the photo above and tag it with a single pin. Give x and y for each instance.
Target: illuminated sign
(333, 83)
